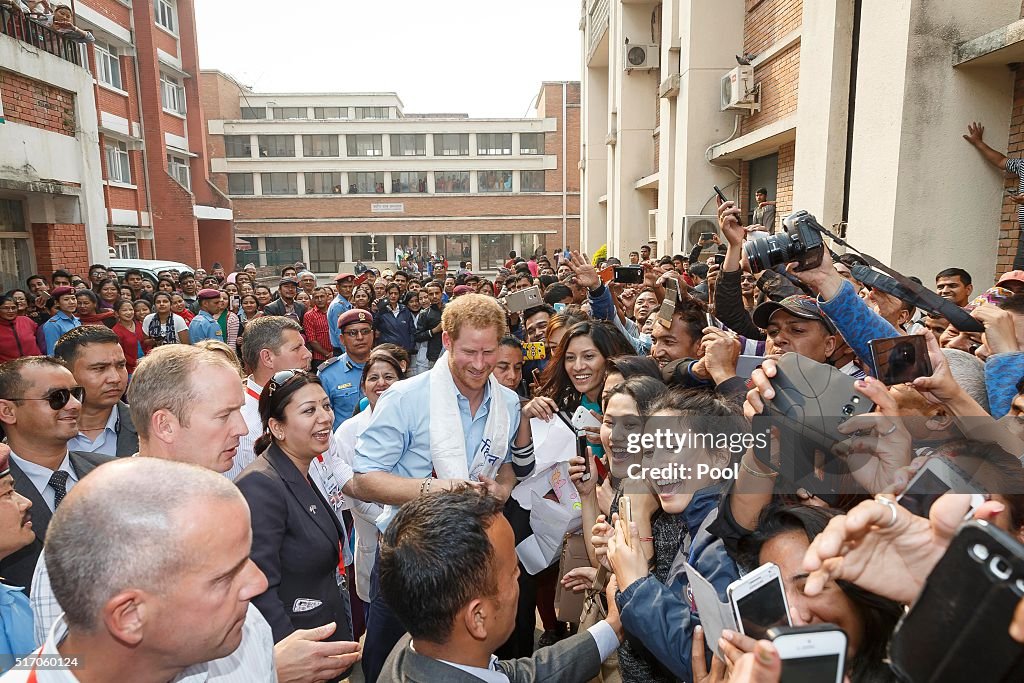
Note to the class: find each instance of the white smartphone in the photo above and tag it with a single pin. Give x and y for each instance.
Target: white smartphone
(810, 654)
(935, 478)
(583, 418)
(759, 601)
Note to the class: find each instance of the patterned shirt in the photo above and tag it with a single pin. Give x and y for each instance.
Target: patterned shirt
(315, 324)
(1016, 166)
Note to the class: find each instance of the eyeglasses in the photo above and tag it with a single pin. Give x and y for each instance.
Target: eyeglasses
(282, 378)
(58, 398)
(358, 333)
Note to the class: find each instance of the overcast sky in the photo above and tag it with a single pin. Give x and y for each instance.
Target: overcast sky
(481, 57)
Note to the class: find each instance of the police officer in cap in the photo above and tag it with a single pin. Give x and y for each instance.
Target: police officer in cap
(205, 325)
(340, 375)
(339, 306)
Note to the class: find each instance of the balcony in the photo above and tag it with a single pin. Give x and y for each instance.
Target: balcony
(20, 27)
(596, 24)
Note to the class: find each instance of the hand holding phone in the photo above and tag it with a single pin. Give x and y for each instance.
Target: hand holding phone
(759, 601)
(810, 654)
(626, 515)
(900, 360)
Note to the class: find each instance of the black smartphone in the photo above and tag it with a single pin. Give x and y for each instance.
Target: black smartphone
(628, 275)
(721, 196)
(719, 259)
(899, 360)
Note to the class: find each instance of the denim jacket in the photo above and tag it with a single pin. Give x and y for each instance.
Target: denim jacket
(663, 616)
(1002, 372)
(856, 322)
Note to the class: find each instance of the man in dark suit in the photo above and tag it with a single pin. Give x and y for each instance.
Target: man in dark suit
(285, 304)
(96, 359)
(40, 402)
(448, 569)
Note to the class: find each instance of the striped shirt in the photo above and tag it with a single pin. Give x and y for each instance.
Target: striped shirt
(1016, 166)
(315, 325)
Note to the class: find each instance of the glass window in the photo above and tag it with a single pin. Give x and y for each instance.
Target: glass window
(494, 251)
(414, 145)
(457, 248)
(172, 93)
(366, 183)
(371, 112)
(451, 181)
(408, 181)
(240, 183)
(451, 144)
(323, 183)
(494, 181)
(531, 143)
(254, 112)
(490, 144)
(281, 113)
(531, 243)
(320, 145)
(277, 145)
(126, 246)
(326, 253)
(531, 181)
(15, 252)
(165, 15)
(283, 250)
(237, 146)
(280, 183)
(118, 167)
(108, 65)
(330, 112)
(368, 248)
(365, 145)
(178, 168)
(413, 246)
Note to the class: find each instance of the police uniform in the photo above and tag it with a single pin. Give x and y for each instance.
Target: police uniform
(341, 376)
(204, 325)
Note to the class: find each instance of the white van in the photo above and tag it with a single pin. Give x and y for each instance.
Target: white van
(148, 268)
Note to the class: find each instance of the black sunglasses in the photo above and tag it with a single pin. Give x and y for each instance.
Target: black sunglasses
(58, 398)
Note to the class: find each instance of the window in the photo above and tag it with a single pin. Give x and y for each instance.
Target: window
(326, 253)
(531, 143)
(237, 146)
(108, 65)
(118, 167)
(323, 183)
(173, 94)
(367, 248)
(366, 183)
(492, 144)
(457, 248)
(451, 181)
(371, 112)
(240, 183)
(280, 183)
(16, 250)
(531, 244)
(254, 112)
(494, 251)
(413, 246)
(365, 145)
(126, 246)
(165, 15)
(277, 145)
(330, 112)
(281, 113)
(408, 181)
(408, 145)
(178, 168)
(282, 251)
(451, 144)
(531, 181)
(494, 181)
(320, 145)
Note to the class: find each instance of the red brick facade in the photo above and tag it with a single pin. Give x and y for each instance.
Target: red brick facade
(60, 245)
(1009, 228)
(37, 104)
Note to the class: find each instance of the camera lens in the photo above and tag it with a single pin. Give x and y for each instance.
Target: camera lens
(767, 252)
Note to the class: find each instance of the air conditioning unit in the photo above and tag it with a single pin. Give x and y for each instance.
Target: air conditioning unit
(641, 57)
(693, 226)
(738, 89)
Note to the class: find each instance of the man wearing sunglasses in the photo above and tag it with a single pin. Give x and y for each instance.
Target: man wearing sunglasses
(341, 375)
(40, 402)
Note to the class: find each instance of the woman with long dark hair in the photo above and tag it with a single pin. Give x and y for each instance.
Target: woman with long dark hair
(89, 311)
(162, 326)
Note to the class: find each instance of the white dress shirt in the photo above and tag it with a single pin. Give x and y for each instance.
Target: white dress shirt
(40, 476)
(251, 414)
(105, 443)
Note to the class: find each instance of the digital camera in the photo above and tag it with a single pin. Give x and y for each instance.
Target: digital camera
(801, 243)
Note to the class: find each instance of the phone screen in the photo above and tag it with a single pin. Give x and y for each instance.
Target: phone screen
(901, 359)
(926, 490)
(762, 609)
(630, 275)
(810, 669)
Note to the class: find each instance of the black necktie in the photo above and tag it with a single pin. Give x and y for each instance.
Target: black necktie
(58, 482)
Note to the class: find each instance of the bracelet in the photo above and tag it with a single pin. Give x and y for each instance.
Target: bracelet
(425, 485)
(647, 538)
(754, 473)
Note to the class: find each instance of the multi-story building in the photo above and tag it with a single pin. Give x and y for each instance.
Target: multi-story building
(329, 178)
(851, 109)
(144, 188)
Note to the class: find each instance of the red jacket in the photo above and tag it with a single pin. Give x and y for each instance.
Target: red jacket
(18, 338)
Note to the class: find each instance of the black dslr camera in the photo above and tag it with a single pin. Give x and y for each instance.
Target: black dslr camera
(801, 243)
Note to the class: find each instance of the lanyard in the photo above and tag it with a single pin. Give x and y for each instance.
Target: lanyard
(336, 499)
(252, 393)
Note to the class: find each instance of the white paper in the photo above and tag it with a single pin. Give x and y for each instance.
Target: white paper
(553, 442)
(539, 481)
(550, 522)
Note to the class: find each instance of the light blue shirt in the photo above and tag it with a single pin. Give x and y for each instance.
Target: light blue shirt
(56, 326)
(397, 440)
(204, 326)
(105, 443)
(40, 477)
(16, 633)
(339, 306)
(340, 377)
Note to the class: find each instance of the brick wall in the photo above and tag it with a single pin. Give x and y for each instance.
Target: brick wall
(779, 79)
(784, 186)
(37, 104)
(767, 21)
(114, 10)
(60, 245)
(1009, 228)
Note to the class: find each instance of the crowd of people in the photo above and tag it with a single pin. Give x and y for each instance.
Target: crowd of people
(363, 474)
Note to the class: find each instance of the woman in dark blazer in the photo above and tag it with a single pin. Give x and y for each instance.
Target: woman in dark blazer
(296, 538)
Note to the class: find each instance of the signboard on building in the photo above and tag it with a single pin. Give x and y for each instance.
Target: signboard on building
(387, 208)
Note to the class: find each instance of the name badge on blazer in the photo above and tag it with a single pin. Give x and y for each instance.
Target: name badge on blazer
(305, 604)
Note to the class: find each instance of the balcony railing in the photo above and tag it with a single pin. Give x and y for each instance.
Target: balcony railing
(21, 27)
(597, 24)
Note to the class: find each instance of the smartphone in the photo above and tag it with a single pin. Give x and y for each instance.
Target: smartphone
(536, 376)
(759, 601)
(721, 196)
(559, 307)
(607, 274)
(810, 654)
(745, 365)
(628, 275)
(899, 360)
(706, 236)
(719, 259)
(935, 478)
(234, 302)
(534, 350)
(626, 513)
(583, 418)
(523, 299)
